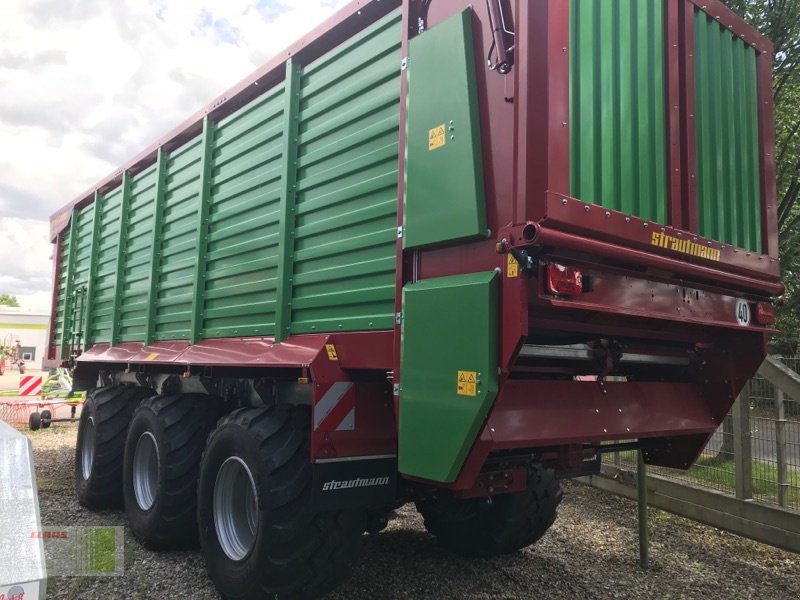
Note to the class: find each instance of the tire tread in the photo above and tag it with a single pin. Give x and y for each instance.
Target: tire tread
(112, 408)
(311, 552)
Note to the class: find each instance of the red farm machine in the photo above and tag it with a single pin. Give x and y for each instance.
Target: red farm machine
(388, 269)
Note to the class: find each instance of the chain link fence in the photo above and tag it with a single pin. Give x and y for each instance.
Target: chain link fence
(760, 438)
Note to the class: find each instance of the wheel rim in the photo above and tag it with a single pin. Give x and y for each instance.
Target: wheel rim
(235, 508)
(145, 470)
(87, 448)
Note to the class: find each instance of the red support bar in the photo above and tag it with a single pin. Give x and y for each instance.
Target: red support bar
(410, 15)
(734, 23)
(543, 107)
(533, 413)
(575, 243)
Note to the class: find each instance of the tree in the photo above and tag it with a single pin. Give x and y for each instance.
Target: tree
(779, 20)
(8, 300)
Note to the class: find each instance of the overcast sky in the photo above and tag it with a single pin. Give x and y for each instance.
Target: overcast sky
(87, 84)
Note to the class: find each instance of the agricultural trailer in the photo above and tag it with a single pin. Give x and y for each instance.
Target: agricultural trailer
(446, 253)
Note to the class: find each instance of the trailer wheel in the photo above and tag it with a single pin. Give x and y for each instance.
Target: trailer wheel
(105, 417)
(507, 523)
(162, 461)
(34, 421)
(260, 534)
(47, 419)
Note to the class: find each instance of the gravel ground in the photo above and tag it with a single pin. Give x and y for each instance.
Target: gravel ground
(591, 552)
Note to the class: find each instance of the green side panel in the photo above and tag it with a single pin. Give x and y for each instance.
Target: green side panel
(62, 286)
(102, 301)
(241, 264)
(450, 325)
(83, 249)
(618, 149)
(728, 164)
(175, 279)
(76, 257)
(79, 265)
(135, 284)
(444, 194)
(346, 189)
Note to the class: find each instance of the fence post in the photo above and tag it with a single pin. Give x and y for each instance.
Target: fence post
(780, 442)
(742, 446)
(644, 534)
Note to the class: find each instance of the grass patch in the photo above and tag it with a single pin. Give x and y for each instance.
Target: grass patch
(720, 474)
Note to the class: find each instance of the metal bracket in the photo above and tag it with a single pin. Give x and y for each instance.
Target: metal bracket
(501, 56)
(399, 233)
(398, 318)
(404, 64)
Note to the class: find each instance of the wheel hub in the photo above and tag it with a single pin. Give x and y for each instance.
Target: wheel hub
(235, 508)
(145, 470)
(87, 448)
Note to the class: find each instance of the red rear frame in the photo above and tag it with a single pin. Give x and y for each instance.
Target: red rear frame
(543, 158)
(527, 169)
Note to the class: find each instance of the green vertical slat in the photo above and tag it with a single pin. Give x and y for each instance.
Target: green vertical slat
(702, 126)
(714, 141)
(345, 236)
(584, 126)
(723, 77)
(288, 199)
(155, 244)
(66, 332)
(643, 97)
(123, 231)
(753, 152)
(60, 283)
(729, 192)
(608, 142)
(617, 92)
(206, 165)
(740, 222)
(626, 161)
(92, 269)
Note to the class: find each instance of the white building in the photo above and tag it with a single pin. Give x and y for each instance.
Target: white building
(30, 328)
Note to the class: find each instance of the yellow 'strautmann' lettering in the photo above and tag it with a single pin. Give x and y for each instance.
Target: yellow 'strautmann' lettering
(662, 240)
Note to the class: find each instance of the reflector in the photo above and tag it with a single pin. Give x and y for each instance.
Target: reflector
(765, 314)
(564, 281)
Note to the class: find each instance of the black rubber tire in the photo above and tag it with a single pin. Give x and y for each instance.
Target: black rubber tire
(298, 552)
(180, 425)
(475, 527)
(111, 409)
(47, 417)
(34, 421)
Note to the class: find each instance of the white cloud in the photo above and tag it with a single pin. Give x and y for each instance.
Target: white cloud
(26, 269)
(87, 85)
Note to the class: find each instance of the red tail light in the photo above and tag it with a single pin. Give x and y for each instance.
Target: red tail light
(564, 281)
(765, 314)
